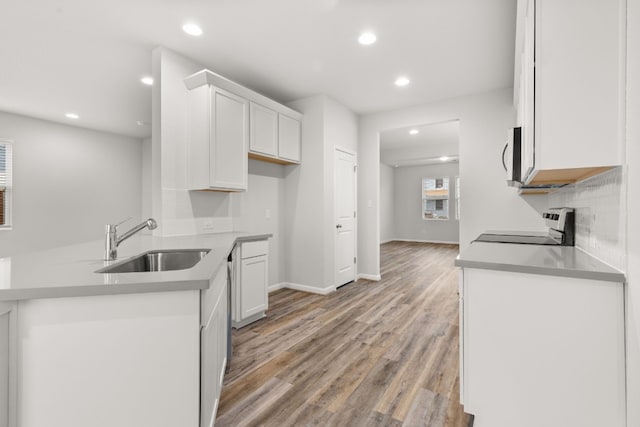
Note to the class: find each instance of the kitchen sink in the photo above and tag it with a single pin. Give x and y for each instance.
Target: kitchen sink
(158, 260)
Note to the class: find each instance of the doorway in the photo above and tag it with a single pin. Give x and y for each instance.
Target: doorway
(419, 183)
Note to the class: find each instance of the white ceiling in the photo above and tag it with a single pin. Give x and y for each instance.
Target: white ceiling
(400, 148)
(87, 56)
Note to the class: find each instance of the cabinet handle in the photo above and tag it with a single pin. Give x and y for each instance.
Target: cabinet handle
(504, 150)
(339, 226)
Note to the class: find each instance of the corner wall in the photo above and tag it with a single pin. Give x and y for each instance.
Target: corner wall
(387, 203)
(487, 202)
(309, 189)
(68, 182)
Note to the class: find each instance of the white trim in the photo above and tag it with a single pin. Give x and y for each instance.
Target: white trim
(276, 287)
(444, 242)
(374, 277)
(387, 241)
(303, 288)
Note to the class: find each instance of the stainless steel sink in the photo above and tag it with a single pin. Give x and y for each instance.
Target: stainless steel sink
(160, 260)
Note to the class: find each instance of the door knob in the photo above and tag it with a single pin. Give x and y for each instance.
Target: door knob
(339, 226)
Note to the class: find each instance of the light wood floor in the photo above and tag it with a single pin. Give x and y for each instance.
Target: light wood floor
(371, 354)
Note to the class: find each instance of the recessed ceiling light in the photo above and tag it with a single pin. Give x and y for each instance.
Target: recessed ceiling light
(72, 116)
(367, 38)
(402, 81)
(414, 132)
(444, 158)
(141, 123)
(192, 29)
(395, 166)
(147, 80)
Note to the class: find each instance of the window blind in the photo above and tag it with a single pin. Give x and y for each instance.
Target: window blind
(5, 181)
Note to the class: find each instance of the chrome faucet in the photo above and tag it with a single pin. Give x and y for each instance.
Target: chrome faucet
(111, 239)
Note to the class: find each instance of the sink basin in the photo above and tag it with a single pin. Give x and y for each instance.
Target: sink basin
(160, 260)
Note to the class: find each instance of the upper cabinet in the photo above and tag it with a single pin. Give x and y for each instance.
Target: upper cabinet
(218, 136)
(274, 136)
(229, 123)
(569, 88)
(263, 135)
(288, 138)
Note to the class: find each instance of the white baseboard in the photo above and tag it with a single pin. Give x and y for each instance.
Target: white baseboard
(275, 287)
(444, 242)
(387, 241)
(374, 277)
(303, 288)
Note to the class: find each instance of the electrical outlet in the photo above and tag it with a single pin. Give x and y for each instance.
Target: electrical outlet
(207, 226)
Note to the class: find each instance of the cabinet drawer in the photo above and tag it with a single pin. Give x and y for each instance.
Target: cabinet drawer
(253, 249)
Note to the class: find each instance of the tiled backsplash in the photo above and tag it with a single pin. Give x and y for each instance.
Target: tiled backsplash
(600, 215)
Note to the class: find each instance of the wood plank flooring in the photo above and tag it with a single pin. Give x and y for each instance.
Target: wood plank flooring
(371, 354)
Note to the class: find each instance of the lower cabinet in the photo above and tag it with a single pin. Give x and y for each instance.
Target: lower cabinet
(7, 365)
(251, 274)
(152, 359)
(213, 358)
(542, 350)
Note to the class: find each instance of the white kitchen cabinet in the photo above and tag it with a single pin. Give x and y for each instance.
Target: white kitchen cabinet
(7, 365)
(136, 360)
(263, 135)
(213, 352)
(572, 87)
(273, 129)
(288, 138)
(124, 360)
(251, 273)
(274, 137)
(218, 140)
(542, 350)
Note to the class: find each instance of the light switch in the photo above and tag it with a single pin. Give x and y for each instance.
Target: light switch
(267, 213)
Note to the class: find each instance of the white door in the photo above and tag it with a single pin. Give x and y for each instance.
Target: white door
(345, 217)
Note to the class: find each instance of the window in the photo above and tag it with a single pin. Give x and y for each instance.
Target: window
(435, 198)
(5, 184)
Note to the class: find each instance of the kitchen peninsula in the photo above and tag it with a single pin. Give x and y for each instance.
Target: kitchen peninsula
(126, 349)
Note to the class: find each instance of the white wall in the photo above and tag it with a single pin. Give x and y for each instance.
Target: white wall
(487, 202)
(387, 203)
(409, 224)
(260, 208)
(309, 189)
(68, 183)
(633, 212)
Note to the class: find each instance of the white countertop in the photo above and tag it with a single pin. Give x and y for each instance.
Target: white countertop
(70, 270)
(567, 261)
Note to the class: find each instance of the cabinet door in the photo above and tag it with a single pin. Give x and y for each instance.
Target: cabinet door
(253, 286)
(578, 57)
(228, 154)
(213, 348)
(263, 135)
(288, 138)
(7, 365)
(527, 85)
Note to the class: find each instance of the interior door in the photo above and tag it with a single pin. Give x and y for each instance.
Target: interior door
(345, 217)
